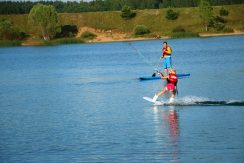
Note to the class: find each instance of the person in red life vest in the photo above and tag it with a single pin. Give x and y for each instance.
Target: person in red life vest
(166, 56)
(170, 86)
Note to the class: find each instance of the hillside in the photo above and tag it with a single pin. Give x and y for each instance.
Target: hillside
(154, 19)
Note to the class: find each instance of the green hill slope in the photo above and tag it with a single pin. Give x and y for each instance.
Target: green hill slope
(154, 19)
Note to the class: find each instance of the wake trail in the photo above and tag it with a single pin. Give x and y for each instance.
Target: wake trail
(201, 101)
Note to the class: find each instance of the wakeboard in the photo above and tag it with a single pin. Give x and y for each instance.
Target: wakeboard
(169, 102)
(151, 100)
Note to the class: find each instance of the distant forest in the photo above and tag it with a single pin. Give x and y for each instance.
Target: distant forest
(23, 7)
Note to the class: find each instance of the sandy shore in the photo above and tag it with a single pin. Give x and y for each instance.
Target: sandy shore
(111, 36)
(115, 36)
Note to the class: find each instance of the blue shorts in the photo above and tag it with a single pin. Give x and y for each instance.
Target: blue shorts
(167, 62)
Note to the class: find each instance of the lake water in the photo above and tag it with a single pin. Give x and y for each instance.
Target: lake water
(83, 103)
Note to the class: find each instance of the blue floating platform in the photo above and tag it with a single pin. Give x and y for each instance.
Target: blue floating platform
(158, 77)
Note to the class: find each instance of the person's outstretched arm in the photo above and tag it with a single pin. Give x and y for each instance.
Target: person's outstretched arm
(162, 76)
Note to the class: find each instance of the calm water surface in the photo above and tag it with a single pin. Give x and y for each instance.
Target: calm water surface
(83, 103)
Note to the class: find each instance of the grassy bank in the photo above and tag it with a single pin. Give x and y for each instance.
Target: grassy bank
(154, 19)
(184, 35)
(60, 41)
(63, 41)
(6, 43)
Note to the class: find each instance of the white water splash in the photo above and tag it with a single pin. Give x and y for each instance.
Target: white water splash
(187, 100)
(194, 100)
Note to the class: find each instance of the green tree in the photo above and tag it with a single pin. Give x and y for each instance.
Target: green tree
(5, 28)
(45, 16)
(127, 13)
(88, 35)
(223, 12)
(171, 14)
(206, 12)
(141, 30)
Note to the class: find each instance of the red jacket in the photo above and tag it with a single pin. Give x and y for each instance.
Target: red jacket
(173, 78)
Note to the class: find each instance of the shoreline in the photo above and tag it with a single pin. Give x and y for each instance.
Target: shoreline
(99, 39)
(221, 34)
(201, 35)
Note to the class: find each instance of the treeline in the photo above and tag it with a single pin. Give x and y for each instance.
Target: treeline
(24, 7)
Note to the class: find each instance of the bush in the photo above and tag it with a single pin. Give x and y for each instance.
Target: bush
(67, 31)
(178, 29)
(228, 30)
(13, 35)
(217, 23)
(127, 13)
(219, 19)
(242, 26)
(223, 12)
(141, 30)
(4, 43)
(184, 35)
(7, 32)
(171, 14)
(219, 26)
(180, 32)
(88, 35)
(22, 35)
(63, 41)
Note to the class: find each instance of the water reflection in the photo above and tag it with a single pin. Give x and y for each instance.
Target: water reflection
(173, 124)
(167, 125)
